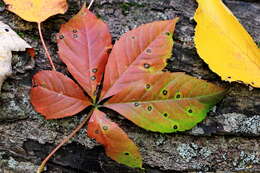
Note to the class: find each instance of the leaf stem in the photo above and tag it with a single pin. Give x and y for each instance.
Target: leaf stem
(65, 140)
(92, 1)
(45, 48)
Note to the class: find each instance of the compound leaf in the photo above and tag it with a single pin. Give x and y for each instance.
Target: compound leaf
(56, 96)
(225, 45)
(166, 102)
(83, 46)
(116, 142)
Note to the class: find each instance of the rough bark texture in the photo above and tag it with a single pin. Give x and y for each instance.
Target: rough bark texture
(228, 140)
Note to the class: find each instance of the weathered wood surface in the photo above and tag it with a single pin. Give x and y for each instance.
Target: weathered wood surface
(228, 140)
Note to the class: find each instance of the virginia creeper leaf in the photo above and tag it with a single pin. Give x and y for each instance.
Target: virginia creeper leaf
(152, 99)
(36, 10)
(166, 102)
(225, 45)
(140, 51)
(83, 46)
(116, 142)
(56, 96)
(9, 41)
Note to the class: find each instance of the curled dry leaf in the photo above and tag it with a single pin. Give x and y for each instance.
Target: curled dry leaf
(9, 41)
(224, 44)
(36, 10)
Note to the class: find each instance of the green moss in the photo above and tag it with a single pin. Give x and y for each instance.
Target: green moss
(2, 4)
(127, 5)
(21, 34)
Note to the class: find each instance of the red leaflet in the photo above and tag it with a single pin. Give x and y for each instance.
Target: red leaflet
(116, 142)
(140, 51)
(56, 96)
(83, 46)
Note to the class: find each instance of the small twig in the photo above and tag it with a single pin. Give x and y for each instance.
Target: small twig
(45, 48)
(65, 140)
(92, 1)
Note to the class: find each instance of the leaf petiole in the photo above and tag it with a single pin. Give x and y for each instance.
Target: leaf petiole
(45, 48)
(65, 140)
(92, 1)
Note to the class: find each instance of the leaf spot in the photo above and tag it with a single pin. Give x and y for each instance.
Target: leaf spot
(178, 95)
(148, 51)
(75, 36)
(96, 132)
(146, 65)
(149, 108)
(105, 128)
(167, 33)
(252, 83)
(94, 70)
(165, 114)
(190, 111)
(93, 78)
(147, 86)
(61, 36)
(165, 92)
(136, 104)
(133, 37)
(126, 153)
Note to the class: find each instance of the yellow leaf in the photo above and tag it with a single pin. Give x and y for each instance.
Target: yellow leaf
(224, 44)
(9, 41)
(36, 10)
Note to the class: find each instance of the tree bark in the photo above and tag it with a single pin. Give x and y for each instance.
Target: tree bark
(227, 140)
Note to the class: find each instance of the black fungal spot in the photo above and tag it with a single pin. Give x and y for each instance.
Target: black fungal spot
(96, 132)
(93, 78)
(146, 65)
(149, 108)
(6, 30)
(147, 86)
(229, 77)
(167, 33)
(94, 70)
(165, 92)
(190, 111)
(178, 96)
(75, 36)
(175, 127)
(105, 128)
(74, 31)
(148, 51)
(126, 153)
(165, 115)
(252, 83)
(133, 37)
(136, 104)
(61, 37)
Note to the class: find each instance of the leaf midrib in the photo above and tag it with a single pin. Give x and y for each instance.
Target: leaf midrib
(172, 99)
